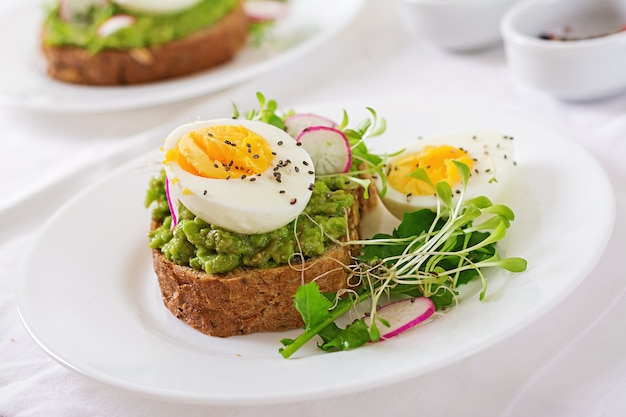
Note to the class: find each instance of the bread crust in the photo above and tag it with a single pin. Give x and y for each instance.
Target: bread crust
(251, 300)
(204, 49)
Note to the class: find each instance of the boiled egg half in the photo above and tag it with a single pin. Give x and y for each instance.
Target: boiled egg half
(157, 6)
(488, 155)
(245, 176)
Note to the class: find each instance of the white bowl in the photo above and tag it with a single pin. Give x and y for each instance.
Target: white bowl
(457, 25)
(591, 67)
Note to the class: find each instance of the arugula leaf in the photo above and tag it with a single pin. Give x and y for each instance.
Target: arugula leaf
(353, 336)
(319, 318)
(312, 305)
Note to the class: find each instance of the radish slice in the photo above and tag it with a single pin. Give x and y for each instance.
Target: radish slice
(171, 203)
(265, 10)
(329, 149)
(114, 23)
(295, 124)
(403, 315)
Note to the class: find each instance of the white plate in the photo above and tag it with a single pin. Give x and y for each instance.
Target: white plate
(89, 297)
(24, 84)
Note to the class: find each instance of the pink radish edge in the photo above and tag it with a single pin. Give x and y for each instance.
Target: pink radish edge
(115, 23)
(265, 10)
(403, 315)
(170, 203)
(311, 139)
(64, 12)
(296, 123)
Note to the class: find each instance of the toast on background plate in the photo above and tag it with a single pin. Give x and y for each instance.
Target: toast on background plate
(105, 43)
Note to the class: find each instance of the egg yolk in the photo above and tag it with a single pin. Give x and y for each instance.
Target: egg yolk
(222, 152)
(436, 162)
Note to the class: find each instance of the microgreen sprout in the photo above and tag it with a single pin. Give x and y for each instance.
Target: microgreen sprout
(364, 162)
(429, 254)
(267, 112)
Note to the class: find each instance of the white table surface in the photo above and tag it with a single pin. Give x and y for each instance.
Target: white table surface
(570, 362)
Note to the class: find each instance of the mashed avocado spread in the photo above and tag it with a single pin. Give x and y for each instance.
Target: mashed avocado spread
(148, 30)
(202, 246)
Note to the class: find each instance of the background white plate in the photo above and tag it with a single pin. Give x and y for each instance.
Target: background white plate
(24, 84)
(90, 299)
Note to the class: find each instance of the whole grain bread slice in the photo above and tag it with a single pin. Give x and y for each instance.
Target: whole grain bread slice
(253, 300)
(204, 49)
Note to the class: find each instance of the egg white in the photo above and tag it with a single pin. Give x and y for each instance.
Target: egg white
(156, 6)
(241, 205)
(490, 175)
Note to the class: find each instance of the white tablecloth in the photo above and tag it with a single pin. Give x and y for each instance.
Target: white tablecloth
(571, 362)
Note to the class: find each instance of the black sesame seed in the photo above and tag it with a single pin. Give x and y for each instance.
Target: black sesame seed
(204, 192)
(280, 143)
(293, 201)
(297, 169)
(311, 186)
(298, 143)
(255, 156)
(305, 163)
(273, 153)
(282, 191)
(243, 176)
(311, 172)
(252, 179)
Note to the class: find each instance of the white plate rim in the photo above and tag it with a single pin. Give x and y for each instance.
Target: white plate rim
(375, 354)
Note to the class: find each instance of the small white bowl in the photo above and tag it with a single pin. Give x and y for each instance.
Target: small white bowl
(589, 65)
(457, 25)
